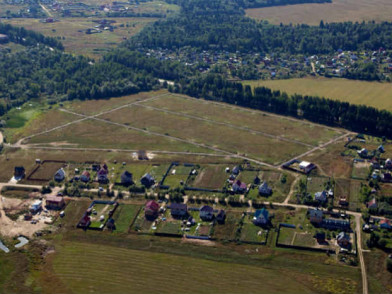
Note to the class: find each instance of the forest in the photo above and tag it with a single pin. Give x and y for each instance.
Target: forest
(44, 70)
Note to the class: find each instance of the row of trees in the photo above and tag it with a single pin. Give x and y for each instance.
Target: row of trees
(358, 118)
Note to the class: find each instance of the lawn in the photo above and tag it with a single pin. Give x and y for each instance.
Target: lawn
(360, 170)
(355, 202)
(211, 177)
(227, 231)
(176, 175)
(170, 227)
(316, 184)
(46, 171)
(243, 119)
(104, 269)
(270, 150)
(337, 11)
(97, 134)
(356, 92)
(75, 40)
(252, 233)
(124, 216)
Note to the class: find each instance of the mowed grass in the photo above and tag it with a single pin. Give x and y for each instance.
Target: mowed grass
(97, 134)
(225, 138)
(337, 11)
(104, 269)
(245, 118)
(75, 40)
(373, 94)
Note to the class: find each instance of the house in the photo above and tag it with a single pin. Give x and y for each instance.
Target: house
(261, 217)
(3, 39)
(126, 178)
(55, 202)
(151, 210)
(85, 221)
(36, 206)
(372, 203)
(386, 178)
(363, 152)
(85, 177)
(59, 175)
(320, 237)
(381, 149)
(335, 224)
(221, 216)
(110, 224)
(385, 224)
(206, 213)
(19, 172)
(102, 174)
(147, 180)
(315, 216)
(256, 180)
(306, 167)
(343, 239)
(320, 196)
(264, 190)
(178, 210)
(236, 170)
(388, 163)
(239, 187)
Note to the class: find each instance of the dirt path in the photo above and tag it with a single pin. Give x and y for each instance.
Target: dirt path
(292, 189)
(46, 10)
(360, 254)
(1, 138)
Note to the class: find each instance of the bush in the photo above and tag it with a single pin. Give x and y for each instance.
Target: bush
(389, 265)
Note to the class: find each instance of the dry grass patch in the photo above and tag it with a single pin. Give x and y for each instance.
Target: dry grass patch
(337, 11)
(242, 117)
(373, 94)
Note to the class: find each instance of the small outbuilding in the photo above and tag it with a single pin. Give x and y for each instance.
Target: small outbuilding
(126, 178)
(206, 213)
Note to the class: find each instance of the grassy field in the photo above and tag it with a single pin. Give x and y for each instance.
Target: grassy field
(357, 92)
(73, 36)
(244, 118)
(124, 216)
(337, 11)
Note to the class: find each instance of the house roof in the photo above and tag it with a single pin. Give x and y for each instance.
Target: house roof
(385, 221)
(262, 213)
(372, 202)
(54, 198)
(86, 174)
(304, 164)
(315, 213)
(343, 236)
(60, 173)
(264, 186)
(126, 174)
(152, 205)
(148, 177)
(178, 206)
(102, 172)
(221, 213)
(207, 208)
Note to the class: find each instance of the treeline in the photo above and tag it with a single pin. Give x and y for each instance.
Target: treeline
(221, 24)
(358, 118)
(28, 38)
(269, 3)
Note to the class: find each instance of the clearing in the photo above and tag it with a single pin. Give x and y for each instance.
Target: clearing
(373, 94)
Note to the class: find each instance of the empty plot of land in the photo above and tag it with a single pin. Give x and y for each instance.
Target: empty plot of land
(337, 11)
(373, 94)
(108, 269)
(97, 134)
(211, 177)
(72, 32)
(223, 137)
(241, 118)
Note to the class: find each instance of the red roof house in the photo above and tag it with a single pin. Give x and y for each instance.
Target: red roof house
(151, 209)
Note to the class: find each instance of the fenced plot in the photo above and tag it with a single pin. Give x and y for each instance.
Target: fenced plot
(211, 177)
(45, 171)
(251, 233)
(360, 170)
(228, 230)
(124, 216)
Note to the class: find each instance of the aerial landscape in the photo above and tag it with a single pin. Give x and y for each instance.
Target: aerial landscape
(195, 146)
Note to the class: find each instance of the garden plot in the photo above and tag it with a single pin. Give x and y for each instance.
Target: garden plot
(228, 230)
(124, 216)
(252, 233)
(211, 177)
(177, 175)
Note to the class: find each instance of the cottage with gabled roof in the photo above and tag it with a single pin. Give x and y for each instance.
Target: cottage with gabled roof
(239, 187)
(315, 216)
(178, 210)
(343, 239)
(363, 152)
(221, 216)
(320, 196)
(264, 190)
(261, 217)
(59, 175)
(19, 172)
(126, 178)
(306, 167)
(55, 202)
(85, 177)
(372, 203)
(151, 210)
(206, 213)
(102, 174)
(147, 180)
(385, 224)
